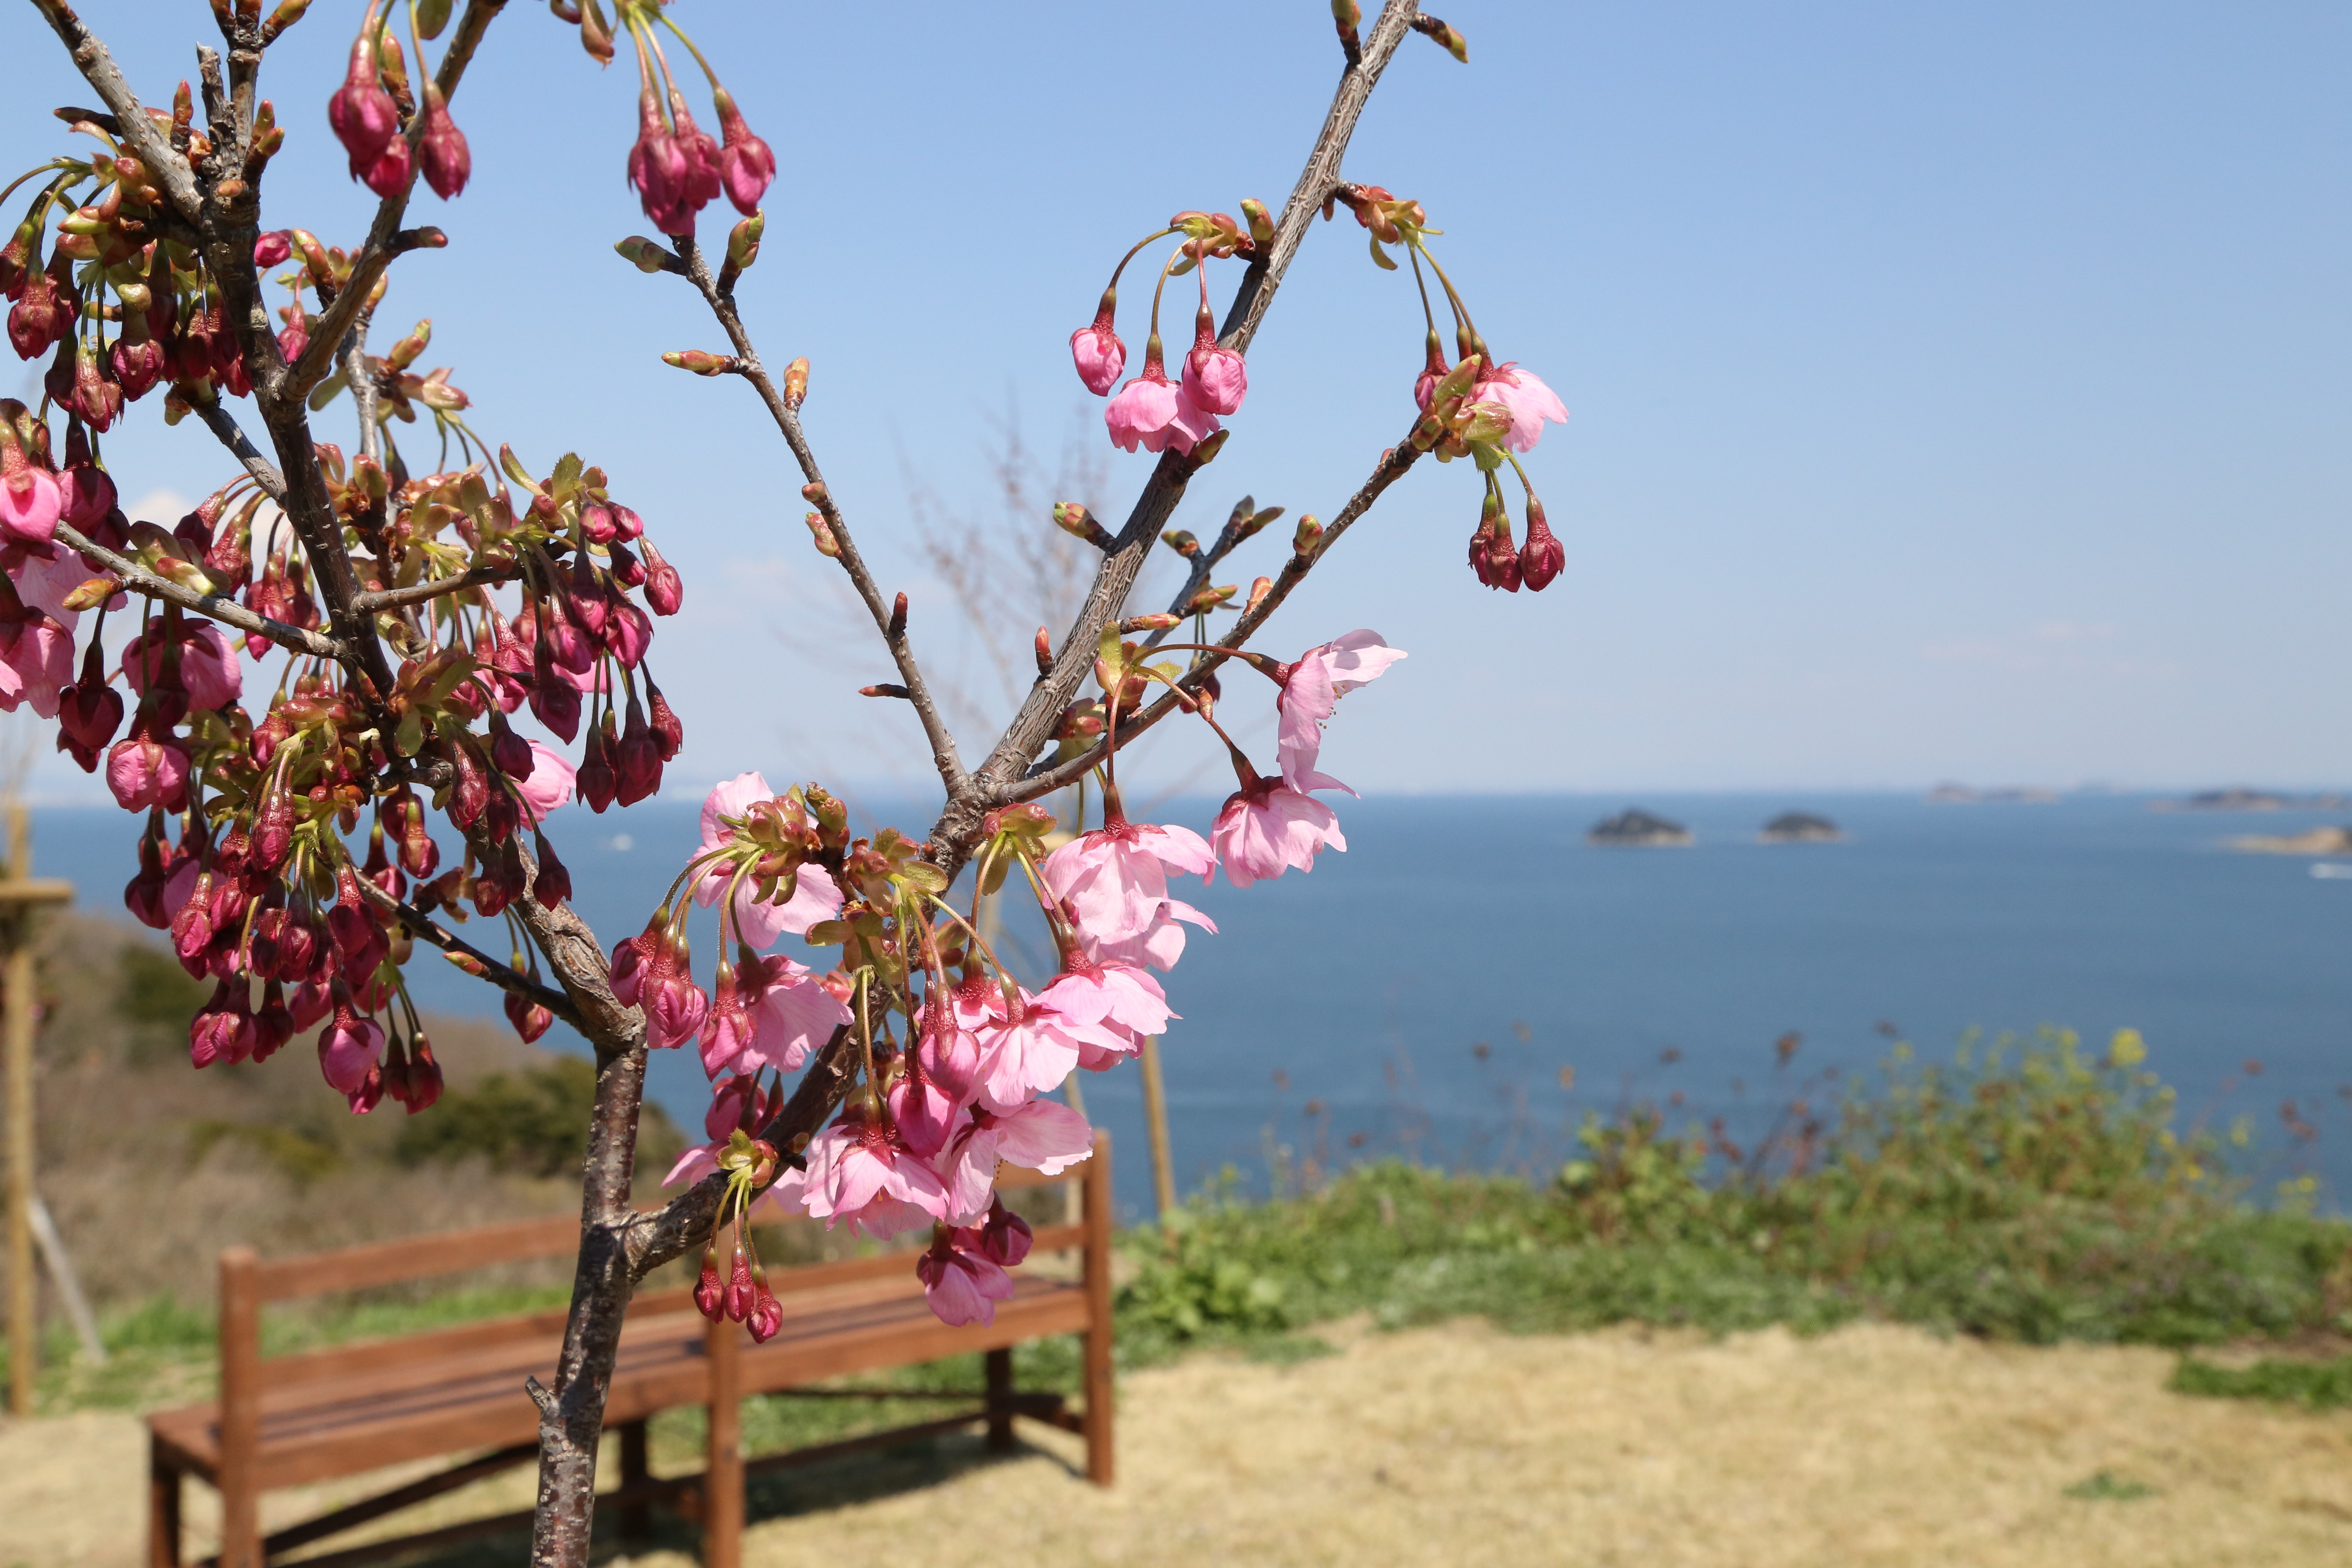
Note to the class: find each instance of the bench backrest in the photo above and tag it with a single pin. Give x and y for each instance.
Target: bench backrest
(247, 1281)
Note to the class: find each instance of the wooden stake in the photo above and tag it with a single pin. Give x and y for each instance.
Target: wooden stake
(18, 895)
(1155, 1117)
(16, 1025)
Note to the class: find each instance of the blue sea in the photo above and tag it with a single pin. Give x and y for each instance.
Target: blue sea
(1471, 978)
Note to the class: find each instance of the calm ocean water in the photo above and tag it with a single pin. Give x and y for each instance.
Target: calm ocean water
(1427, 989)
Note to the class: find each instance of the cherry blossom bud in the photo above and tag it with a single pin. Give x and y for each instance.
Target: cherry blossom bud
(667, 731)
(553, 882)
(1307, 537)
(510, 753)
(767, 1313)
(1261, 226)
(710, 1293)
(267, 251)
(390, 174)
(530, 1019)
(348, 1051)
(449, 164)
(665, 590)
(746, 165)
(822, 534)
(796, 377)
(1541, 559)
(1096, 349)
(1074, 520)
(597, 782)
(364, 118)
(637, 762)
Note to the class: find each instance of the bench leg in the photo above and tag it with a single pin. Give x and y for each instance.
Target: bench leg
(162, 1511)
(999, 1368)
(636, 1518)
(241, 1530)
(722, 1466)
(1100, 1467)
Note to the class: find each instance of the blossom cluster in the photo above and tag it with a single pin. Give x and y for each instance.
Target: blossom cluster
(953, 1051)
(286, 787)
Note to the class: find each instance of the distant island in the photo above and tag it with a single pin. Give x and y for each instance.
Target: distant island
(1639, 830)
(2240, 797)
(1961, 795)
(2318, 841)
(1800, 827)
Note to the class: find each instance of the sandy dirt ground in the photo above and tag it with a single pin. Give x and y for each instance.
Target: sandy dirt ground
(1870, 1446)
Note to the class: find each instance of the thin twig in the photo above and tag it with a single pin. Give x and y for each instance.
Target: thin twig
(223, 424)
(1044, 780)
(137, 579)
(497, 972)
(894, 635)
(418, 593)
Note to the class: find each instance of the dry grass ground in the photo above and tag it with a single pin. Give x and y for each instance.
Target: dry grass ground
(1870, 1446)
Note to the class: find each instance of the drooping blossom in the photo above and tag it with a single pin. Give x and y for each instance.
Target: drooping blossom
(746, 163)
(1311, 689)
(209, 672)
(547, 786)
(349, 1049)
(1159, 943)
(862, 1173)
(1152, 413)
(791, 1013)
(658, 168)
(1026, 1047)
(1122, 998)
(1525, 395)
(30, 500)
(145, 772)
(36, 664)
(962, 1286)
(1266, 827)
(1216, 379)
(815, 895)
(1041, 1134)
(1115, 878)
(1098, 354)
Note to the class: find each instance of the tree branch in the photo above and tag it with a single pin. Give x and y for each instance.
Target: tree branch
(223, 424)
(490, 969)
(1044, 780)
(892, 626)
(137, 579)
(418, 593)
(169, 170)
(959, 824)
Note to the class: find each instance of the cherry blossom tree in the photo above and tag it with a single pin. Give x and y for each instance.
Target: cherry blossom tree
(338, 648)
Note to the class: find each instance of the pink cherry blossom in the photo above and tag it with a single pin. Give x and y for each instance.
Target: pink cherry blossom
(30, 502)
(863, 1173)
(1122, 998)
(961, 1287)
(349, 1048)
(1267, 828)
(1115, 878)
(548, 784)
(815, 897)
(1151, 413)
(46, 577)
(1160, 944)
(1528, 399)
(1028, 1054)
(36, 664)
(1041, 1134)
(143, 773)
(1095, 349)
(1312, 689)
(657, 167)
(791, 1013)
(209, 672)
(448, 163)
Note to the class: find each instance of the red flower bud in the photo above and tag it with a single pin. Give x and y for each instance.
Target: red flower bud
(448, 162)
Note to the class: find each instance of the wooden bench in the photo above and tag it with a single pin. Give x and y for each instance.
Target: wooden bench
(298, 1419)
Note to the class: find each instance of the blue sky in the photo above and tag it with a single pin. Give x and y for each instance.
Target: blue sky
(1957, 392)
